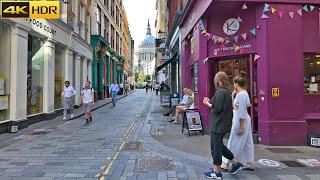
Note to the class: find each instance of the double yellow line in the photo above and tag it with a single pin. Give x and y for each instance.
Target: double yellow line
(106, 168)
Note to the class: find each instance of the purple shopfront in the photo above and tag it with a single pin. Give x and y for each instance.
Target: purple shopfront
(276, 46)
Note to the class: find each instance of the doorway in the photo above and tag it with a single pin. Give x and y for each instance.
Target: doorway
(243, 66)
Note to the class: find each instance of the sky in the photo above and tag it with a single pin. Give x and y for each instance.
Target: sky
(138, 13)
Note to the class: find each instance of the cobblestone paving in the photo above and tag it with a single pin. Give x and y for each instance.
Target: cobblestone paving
(117, 145)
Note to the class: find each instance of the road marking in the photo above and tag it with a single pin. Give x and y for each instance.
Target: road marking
(113, 158)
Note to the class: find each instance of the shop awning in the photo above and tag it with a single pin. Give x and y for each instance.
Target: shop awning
(171, 60)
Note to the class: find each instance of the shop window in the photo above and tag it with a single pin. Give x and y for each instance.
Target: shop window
(59, 77)
(312, 74)
(35, 75)
(4, 71)
(81, 73)
(235, 67)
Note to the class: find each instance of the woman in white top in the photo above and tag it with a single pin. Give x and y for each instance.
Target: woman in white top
(240, 141)
(87, 99)
(188, 104)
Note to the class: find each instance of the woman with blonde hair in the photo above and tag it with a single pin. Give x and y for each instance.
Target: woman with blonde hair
(188, 105)
(220, 123)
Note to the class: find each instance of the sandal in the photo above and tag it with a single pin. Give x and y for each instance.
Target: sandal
(248, 168)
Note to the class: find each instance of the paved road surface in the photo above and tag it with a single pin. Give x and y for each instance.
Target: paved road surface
(117, 145)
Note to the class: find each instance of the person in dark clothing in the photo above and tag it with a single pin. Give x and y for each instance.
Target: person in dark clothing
(220, 124)
(147, 87)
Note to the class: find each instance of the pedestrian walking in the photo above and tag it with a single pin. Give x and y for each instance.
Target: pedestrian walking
(114, 89)
(220, 124)
(67, 95)
(157, 87)
(126, 88)
(147, 87)
(240, 141)
(87, 100)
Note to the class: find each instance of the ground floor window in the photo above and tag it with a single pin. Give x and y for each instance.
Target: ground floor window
(59, 76)
(81, 74)
(312, 74)
(4, 71)
(35, 75)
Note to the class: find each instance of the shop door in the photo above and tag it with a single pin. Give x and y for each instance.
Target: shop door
(247, 68)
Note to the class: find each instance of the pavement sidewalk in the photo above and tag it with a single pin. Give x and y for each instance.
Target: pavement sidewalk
(170, 135)
(8, 139)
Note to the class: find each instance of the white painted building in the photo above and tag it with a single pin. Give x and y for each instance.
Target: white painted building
(37, 56)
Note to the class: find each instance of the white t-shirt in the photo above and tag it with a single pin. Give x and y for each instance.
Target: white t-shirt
(184, 99)
(68, 92)
(86, 95)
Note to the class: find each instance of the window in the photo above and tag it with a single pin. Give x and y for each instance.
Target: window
(59, 76)
(112, 37)
(98, 21)
(120, 22)
(106, 28)
(117, 42)
(112, 8)
(312, 74)
(35, 75)
(4, 71)
(107, 3)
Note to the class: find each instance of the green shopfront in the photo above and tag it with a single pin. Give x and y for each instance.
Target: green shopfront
(107, 66)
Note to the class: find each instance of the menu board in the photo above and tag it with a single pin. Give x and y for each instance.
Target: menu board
(195, 77)
(165, 99)
(193, 120)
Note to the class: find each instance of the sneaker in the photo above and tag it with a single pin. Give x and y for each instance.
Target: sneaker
(213, 175)
(90, 119)
(236, 167)
(64, 118)
(166, 114)
(72, 115)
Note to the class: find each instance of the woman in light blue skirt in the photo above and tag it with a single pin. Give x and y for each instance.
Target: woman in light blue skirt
(240, 141)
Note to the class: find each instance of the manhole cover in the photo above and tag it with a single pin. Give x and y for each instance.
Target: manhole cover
(283, 150)
(154, 163)
(132, 146)
(292, 164)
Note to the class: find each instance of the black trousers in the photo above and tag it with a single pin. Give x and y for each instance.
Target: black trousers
(218, 149)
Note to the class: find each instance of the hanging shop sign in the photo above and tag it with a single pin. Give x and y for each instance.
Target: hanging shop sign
(231, 26)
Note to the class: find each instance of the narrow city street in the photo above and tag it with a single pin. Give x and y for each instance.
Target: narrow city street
(118, 144)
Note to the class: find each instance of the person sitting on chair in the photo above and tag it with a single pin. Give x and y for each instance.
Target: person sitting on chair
(182, 102)
(180, 109)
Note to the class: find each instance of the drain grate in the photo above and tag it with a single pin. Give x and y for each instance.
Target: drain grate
(292, 164)
(132, 146)
(283, 150)
(154, 164)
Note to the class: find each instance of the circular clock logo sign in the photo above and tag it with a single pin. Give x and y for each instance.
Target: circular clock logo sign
(231, 26)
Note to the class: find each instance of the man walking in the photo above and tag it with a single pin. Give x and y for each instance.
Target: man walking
(87, 99)
(114, 88)
(67, 95)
